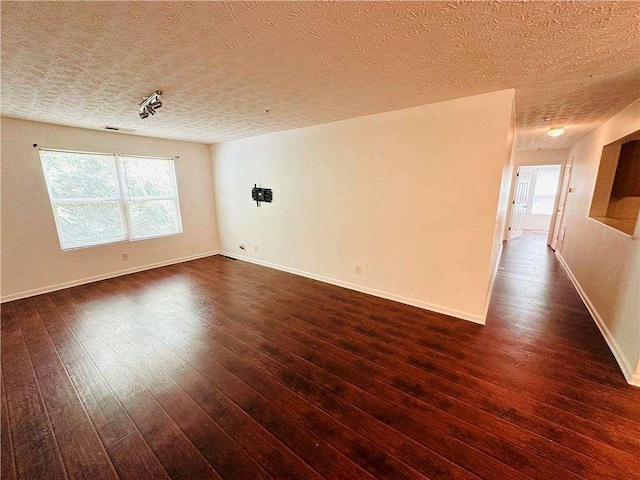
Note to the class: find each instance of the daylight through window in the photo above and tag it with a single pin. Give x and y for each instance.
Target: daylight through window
(104, 198)
(544, 194)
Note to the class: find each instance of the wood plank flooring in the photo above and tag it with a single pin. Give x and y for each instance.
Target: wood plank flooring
(217, 368)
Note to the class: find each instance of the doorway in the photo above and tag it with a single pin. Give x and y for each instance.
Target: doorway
(534, 201)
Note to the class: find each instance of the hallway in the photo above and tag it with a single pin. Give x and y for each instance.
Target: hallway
(533, 292)
(217, 368)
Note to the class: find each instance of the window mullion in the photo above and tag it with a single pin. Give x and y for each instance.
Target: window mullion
(123, 199)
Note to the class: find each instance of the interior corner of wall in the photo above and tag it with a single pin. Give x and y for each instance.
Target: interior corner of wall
(216, 216)
(216, 148)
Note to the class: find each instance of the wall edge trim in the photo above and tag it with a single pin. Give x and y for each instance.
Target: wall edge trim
(618, 354)
(470, 317)
(493, 282)
(104, 276)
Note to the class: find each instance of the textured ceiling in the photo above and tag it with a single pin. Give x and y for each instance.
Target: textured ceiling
(220, 65)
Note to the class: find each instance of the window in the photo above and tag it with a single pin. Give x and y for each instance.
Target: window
(544, 193)
(103, 198)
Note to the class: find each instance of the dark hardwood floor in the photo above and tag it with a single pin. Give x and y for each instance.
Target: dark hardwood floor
(217, 368)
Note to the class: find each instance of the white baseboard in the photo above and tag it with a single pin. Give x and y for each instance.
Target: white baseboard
(623, 362)
(97, 278)
(471, 317)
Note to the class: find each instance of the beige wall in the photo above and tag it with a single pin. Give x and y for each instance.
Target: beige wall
(410, 195)
(541, 157)
(604, 261)
(31, 257)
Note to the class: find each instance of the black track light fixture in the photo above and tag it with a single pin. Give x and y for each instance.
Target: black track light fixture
(150, 104)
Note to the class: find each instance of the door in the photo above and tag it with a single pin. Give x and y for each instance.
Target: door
(520, 197)
(564, 190)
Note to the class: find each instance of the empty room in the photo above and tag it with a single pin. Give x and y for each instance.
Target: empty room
(320, 240)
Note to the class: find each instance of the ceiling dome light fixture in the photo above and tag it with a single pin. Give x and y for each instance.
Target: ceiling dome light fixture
(150, 104)
(555, 131)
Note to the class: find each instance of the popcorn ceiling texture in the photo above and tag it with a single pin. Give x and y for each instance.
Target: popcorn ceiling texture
(220, 65)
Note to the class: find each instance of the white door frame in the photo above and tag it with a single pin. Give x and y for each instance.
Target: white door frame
(512, 193)
(560, 196)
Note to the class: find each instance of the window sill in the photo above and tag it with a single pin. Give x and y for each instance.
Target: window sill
(128, 240)
(621, 226)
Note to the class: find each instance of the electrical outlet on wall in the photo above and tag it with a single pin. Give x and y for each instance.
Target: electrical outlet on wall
(255, 248)
(358, 269)
(125, 256)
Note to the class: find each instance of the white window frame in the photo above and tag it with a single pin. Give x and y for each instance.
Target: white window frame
(123, 198)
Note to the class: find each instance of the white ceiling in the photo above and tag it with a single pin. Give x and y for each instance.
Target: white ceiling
(220, 65)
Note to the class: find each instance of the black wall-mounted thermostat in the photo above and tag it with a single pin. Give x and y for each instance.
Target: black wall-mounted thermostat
(261, 194)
